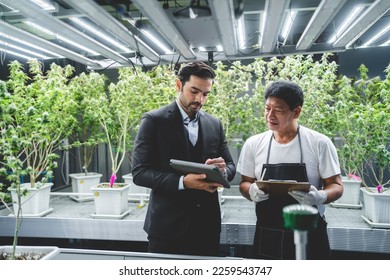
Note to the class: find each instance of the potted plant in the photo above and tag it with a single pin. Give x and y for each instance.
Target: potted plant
(376, 194)
(87, 135)
(39, 116)
(35, 116)
(349, 112)
(115, 111)
(160, 92)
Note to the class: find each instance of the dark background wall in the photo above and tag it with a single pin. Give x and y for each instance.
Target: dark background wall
(375, 59)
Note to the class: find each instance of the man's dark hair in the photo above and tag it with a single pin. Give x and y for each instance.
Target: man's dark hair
(288, 91)
(198, 69)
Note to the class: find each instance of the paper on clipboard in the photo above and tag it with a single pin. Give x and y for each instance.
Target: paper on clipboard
(282, 187)
(212, 172)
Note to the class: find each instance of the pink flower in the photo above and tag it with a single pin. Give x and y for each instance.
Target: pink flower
(112, 179)
(354, 177)
(379, 188)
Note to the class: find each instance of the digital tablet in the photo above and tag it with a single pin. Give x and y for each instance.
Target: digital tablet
(282, 187)
(212, 172)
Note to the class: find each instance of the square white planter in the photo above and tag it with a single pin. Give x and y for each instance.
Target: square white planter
(35, 202)
(135, 189)
(82, 183)
(111, 202)
(36, 252)
(128, 179)
(376, 208)
(351, 194)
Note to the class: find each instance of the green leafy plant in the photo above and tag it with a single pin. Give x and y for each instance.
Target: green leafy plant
(376, 114)
(87, 135)
(36, 114)
(230, 100)
(351, 127)
(119, 111)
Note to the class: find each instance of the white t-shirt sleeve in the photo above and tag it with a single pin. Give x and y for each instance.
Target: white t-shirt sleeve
(328, 160)
(246, 161)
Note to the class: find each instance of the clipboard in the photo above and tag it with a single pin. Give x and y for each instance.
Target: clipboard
(212, 172)
(282, 187)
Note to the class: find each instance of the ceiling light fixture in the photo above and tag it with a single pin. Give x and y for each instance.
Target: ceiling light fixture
(44, 5)
(150, 36)
(28, 44)
(157, 42)
(287, 25)
(23, 35)
(92, 29)
(10, 45)
(387, 43)
(112, 25)
(59, 37)
(376, 37)
(347, 22)
(241, 32)
(16, 54)
(34, 13)
(364, 21)
(321, 18)
(163, 24)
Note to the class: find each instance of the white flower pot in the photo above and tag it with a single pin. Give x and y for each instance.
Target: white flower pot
(376, 207)
(351, 194)
(33, 252)
(111, 202)
(135, 189)
(35, 202)
(82, 183)
(128, 179)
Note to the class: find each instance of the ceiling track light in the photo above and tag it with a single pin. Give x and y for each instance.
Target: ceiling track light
(41, 43)
(163, 24)
(15, 47)
(100, 34)
(28, 44)
(376, 37)
(16, 54)
(45, 5)
(287, 25)
(346, 23)
(321, 18)
(60, 38)
(359, 26)
(156, 41)
(31, 11)
(241, 32)
(102, 18)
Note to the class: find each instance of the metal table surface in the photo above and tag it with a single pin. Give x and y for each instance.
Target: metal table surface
(72, 220)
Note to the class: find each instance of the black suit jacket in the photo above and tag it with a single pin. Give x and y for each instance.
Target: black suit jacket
(172, 213)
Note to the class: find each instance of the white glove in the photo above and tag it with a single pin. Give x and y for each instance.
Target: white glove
(256, 194)
(313, 197)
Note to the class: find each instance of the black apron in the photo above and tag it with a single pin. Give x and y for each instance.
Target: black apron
(272, 240)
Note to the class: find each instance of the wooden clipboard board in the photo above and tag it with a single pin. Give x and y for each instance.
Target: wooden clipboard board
(282, 187)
